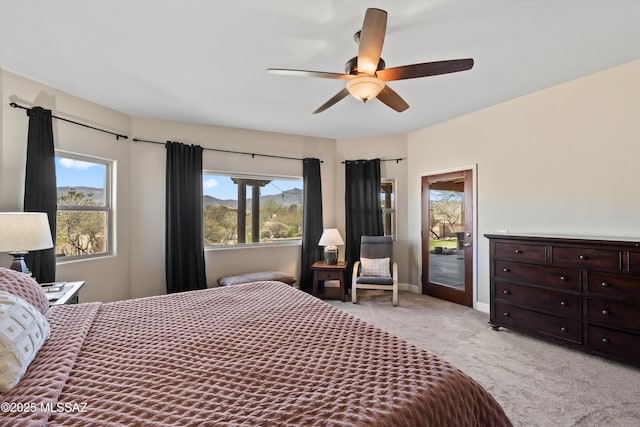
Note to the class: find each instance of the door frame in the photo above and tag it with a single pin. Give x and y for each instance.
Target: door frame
(474, 219)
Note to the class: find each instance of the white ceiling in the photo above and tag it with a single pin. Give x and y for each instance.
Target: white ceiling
(204, 61)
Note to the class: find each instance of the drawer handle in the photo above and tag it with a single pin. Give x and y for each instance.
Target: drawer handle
(506, 270)
(604, 284)
(582, 257)
(506, 314)
(518, 251)
(605, 312)
(563, 303)
(563, 329)
(605, 340)
(506, 292)
(564, 278)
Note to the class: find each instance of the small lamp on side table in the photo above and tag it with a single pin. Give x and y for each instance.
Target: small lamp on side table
(21, 232)
(330, 239)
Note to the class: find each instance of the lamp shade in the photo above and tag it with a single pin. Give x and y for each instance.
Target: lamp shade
(330, 237)
(24, 231)
(365, 87)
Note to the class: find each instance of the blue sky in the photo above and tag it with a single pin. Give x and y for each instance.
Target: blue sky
(223, 188)
(76, 173)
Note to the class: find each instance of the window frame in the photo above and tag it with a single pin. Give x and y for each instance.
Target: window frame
(392, 210)
(107, 208)
(252, 176)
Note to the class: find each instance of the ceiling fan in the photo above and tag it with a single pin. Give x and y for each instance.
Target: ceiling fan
(366, 74)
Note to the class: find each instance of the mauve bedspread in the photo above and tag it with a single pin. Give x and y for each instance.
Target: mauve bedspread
(261, 354)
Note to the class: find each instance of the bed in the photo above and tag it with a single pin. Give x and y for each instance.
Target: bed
(260, 353)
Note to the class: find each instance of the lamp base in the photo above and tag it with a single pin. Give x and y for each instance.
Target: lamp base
(18, 263)
(331, 255)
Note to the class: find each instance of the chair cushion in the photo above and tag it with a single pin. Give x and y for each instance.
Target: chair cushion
(378, 267)
(374, 280)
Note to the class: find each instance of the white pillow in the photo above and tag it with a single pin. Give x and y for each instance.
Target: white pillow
(23, 330)
(378, 267)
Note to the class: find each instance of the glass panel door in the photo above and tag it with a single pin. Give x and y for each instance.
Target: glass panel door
(446, 228)
(447, 236)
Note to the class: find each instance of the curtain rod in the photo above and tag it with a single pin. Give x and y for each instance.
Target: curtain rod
(117, 135)
(398, 160)
(227, 151)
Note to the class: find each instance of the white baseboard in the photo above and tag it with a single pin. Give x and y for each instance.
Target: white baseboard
(409, 287)
(483, 307)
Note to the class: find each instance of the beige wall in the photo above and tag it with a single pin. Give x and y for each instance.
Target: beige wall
(561, 161)
(106, 278)
(383, 147)
(148, 163)
(137, 267)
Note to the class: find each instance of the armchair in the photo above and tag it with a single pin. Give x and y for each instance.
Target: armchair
(376, 268)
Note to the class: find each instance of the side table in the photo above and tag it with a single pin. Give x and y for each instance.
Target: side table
(322, 271)
(67, 295)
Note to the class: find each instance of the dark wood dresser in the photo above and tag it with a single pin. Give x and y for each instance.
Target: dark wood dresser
(583, 293)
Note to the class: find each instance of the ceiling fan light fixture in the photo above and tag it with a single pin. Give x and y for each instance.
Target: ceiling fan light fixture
(365, 87)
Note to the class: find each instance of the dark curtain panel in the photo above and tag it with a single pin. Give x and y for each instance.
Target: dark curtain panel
(362, 205)
(311, 222)
(40, 192)
(184, 245)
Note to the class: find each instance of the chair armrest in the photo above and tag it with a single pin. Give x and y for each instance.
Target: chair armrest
(356, 272)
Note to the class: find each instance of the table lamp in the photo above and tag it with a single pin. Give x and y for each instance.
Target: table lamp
(21, 232)
(330, 239)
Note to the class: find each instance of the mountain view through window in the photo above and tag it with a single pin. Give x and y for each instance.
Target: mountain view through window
(83, 206)
(251, 210)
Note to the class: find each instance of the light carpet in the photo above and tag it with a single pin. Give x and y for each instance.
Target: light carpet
(537, 383)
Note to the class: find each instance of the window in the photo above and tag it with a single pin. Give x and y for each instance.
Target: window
(270, 207)
(388, 203)
(84, 206)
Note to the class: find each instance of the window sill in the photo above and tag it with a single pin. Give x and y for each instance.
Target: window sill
(252, 245)
(74, 259)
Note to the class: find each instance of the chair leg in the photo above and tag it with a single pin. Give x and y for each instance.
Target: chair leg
(354, 295)
(395, 296)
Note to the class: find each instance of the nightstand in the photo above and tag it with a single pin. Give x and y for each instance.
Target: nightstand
(322, 271)
(67, 295)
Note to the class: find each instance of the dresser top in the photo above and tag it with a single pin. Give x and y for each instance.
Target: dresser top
(632, 240)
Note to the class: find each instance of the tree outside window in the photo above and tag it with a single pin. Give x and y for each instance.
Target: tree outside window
(388, 204)
(84, 206)
(245, 210)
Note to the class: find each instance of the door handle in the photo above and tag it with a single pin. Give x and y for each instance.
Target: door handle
(466, 245)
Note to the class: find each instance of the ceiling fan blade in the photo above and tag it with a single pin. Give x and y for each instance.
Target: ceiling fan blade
(305, 73)
(337, 97)
(389, 97)
(425, 69)
(374, 28)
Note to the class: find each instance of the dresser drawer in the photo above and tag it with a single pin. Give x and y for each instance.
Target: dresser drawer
(614, 286)
(521, 251)
(634, 262)
(554, 277)
(616, 314)
(621, 345)
(589, 258)
(545, 324)
(553, 302)
(329, 275)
